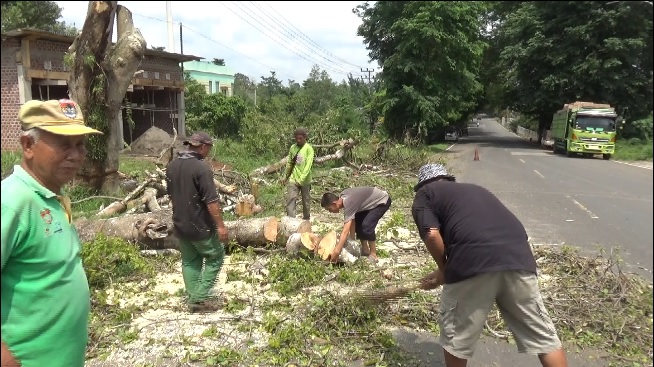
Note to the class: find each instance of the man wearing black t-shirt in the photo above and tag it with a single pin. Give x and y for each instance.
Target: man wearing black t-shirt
(198, 221)
(483, 258)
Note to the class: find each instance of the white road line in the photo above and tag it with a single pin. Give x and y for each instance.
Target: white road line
(521, 160)
(593, 216)
(448, 148)
(646, 165)
(540, 174)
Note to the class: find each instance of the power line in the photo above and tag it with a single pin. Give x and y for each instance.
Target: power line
(311, 41)
(302, 55)
(302, 39)
(221, 44)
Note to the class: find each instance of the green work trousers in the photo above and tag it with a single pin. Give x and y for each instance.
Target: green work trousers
(201, 264)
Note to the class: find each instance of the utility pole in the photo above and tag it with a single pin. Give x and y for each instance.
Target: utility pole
(369, 78)
(371, 118)
(169, 20)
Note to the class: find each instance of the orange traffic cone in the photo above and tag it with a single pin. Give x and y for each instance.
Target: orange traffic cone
(476, 154)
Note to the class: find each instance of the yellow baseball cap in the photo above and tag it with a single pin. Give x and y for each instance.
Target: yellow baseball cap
(62, 117)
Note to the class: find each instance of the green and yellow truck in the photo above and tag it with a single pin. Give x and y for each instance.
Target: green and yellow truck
(585, 128)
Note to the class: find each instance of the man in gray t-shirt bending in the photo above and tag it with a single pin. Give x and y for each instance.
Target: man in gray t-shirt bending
(363, 207)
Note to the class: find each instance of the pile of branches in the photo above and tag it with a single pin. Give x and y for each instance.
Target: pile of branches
(151, 194)
(592, 300)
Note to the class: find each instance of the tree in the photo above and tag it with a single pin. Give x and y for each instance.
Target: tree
(430, 53)
(558, 52)
(217, 114)
(244, 87)
(42, 15)
(219, 62)
(99, 78)
(320, 91)
(157, 48)
(271, 85)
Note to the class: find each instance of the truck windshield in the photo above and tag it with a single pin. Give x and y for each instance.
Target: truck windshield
(593, 123)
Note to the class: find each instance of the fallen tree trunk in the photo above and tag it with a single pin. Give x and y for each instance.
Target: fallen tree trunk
(134, 228)
(155, 230)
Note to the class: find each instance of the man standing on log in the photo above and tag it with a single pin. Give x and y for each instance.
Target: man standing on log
(363, 208)
(198, 221)
(483, 258)
(45, 293)
(298, 174)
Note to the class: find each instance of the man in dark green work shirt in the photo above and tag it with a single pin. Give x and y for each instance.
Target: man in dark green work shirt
(45, 294)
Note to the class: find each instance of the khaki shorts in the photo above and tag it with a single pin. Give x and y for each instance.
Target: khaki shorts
(465, 306)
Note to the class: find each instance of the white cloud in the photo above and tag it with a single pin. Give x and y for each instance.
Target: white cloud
(295, 35)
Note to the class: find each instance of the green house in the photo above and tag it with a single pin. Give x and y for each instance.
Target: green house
(215, 78)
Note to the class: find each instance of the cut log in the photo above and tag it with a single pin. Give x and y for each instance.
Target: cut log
(310, 240)
(326, 245)
(254, 231)
(302, 244)
(348, 255)
(245, 206)
(155, 230)
(289, 225)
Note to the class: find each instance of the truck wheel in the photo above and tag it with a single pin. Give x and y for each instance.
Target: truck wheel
(606, 156)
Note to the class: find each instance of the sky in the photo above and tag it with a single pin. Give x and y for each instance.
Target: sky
(254, 37)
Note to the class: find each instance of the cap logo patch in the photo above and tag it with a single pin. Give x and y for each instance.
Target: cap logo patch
(68, 107)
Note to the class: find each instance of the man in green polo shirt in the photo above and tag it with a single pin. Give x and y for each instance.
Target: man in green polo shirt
(45, 294)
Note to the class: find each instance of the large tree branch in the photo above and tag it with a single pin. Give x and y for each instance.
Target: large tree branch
(345, 145)
(125, 57)
(89, 49)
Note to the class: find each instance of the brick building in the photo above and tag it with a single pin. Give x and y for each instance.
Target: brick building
(33, 68)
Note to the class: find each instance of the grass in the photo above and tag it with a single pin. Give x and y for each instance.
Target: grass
(633, 151)
(9, 159)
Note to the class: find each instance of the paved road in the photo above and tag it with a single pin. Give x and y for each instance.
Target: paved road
(590, 203)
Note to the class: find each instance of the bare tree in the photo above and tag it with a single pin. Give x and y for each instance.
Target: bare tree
(100, 74)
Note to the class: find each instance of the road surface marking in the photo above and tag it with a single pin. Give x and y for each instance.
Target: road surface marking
(593, 216)
(521, 160)
(538, 154)
(540, 174)
(448, 148)
(645, 165)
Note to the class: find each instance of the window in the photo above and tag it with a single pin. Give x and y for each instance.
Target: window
(210, 87)
(593, 123)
